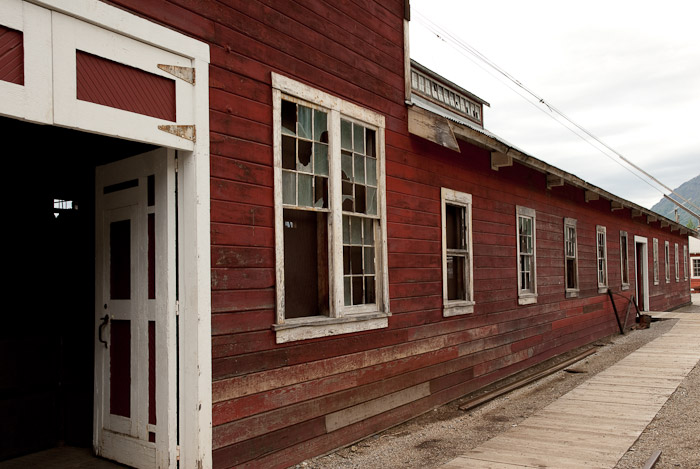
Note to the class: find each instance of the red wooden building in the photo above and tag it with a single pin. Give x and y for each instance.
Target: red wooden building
(257, 232)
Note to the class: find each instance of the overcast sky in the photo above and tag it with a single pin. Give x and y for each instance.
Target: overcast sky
(627, 71)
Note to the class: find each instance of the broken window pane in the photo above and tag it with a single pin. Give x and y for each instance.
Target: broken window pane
(358, 138)
(304, 122)
(370, 142)
(320, 126)
(320, 159)
(289, 118)
(304, 158)
(320, 192)
(455, 278)
(289, 153)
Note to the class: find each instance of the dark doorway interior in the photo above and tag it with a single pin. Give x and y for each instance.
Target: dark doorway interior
(47, 336)
(641, 284)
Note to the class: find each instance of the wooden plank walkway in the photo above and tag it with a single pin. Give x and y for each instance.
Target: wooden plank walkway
(593, 425)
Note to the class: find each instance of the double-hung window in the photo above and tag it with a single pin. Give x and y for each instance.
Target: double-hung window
(330, 214)
(457, 265)
(527, 276)
(624, 264)
(667, 260)
(571, 257)
(602, 255)
(656, 261)
(696, 267)
(676, 262)
(685, 262)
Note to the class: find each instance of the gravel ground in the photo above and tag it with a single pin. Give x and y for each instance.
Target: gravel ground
(440, 435)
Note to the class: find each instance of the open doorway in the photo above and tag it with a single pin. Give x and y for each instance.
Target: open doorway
(47, 341)
(641, 254)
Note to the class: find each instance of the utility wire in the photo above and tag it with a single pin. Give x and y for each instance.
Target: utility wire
(458, 43)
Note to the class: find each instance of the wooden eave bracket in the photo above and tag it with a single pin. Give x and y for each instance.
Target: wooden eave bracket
(432, 127)
(499, 160)
(651, 218)
(615, 205)
(183, 73)
(636, 213)
(554, 181)
(664, 224)
(590, 195)
(187, 132)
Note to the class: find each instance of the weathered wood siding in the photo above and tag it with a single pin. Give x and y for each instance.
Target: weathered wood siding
(275, 405)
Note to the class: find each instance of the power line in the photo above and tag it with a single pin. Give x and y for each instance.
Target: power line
(456, 42)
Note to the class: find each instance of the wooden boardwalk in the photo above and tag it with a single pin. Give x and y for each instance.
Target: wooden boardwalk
(593, 425)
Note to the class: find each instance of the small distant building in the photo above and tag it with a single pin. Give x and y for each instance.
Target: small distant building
(694, 247)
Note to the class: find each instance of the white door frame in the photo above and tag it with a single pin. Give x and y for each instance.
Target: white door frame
(195, 404)
(644, 269)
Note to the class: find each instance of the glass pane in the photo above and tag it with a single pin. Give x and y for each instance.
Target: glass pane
(320, 192)
(358, 293)
(358, 138)
(369, 261)
(346, 260)
(120, 367)
(345, 135)
(356, 230)
(370, 145)
(304, 160)
(320, 126)
(320, 159)
(360, 201)
(289, 118)
(455, 278)
(347, 197)
(347, 292)
(346, 229)
(120, 260)
(305, 190)
(304, 122)
(346, 165)
(368, 232)
(356, 264)
(371, 164)
(289, 152)
(370, 296)
(454, 226)
(289, 188)
(371, 201)
(359, 168)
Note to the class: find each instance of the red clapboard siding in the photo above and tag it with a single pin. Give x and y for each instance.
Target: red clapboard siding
(11, 55)
(105, 82)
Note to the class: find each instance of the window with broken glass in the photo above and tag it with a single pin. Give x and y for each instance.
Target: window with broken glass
(656, 261)
(457, 267)
(330, 235)
(624, 264)
(676, 262)
(527, 282)
(667, 261)
(571, 257)
(602, 256)
(685, 262)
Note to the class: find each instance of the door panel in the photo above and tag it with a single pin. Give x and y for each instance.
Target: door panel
(135, 412)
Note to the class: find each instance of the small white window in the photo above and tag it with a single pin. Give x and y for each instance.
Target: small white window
(685, 262)
(667, 261)
(527, 273)
(457, 265)
(624, 264)
(570, 257)
(676, 262)
(602, 255)
(696, 267)
(656, 261)
(330, 213)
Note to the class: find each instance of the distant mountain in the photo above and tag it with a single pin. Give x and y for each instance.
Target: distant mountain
(691, 191)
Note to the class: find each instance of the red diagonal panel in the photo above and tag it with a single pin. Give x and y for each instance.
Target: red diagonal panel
(105, 82)
(11, 56)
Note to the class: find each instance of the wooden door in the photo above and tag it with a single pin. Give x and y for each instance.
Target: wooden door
(135, 343)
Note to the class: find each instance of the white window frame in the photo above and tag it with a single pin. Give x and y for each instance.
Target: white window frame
(624, 261)
(667, 261)
(602, 261)
(692, 267)
(685, 262)
(571, 223)
(457, 307)
(656, 261)
(676, 262)
(341, 319)
(526, 296)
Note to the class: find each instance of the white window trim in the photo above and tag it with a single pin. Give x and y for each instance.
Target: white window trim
(667, 261)
(342, 319)
(457, 307)
(624, 267)
(526, 297)
(602, 287)
(571, 292)
(685, 262)
(676, 262)
(692, 269)
(656, 261)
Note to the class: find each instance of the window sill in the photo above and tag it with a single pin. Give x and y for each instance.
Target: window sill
(457, 308)
(525, 299)
(321, 326)
(572, 293)
(603, 289)
(625, 287)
